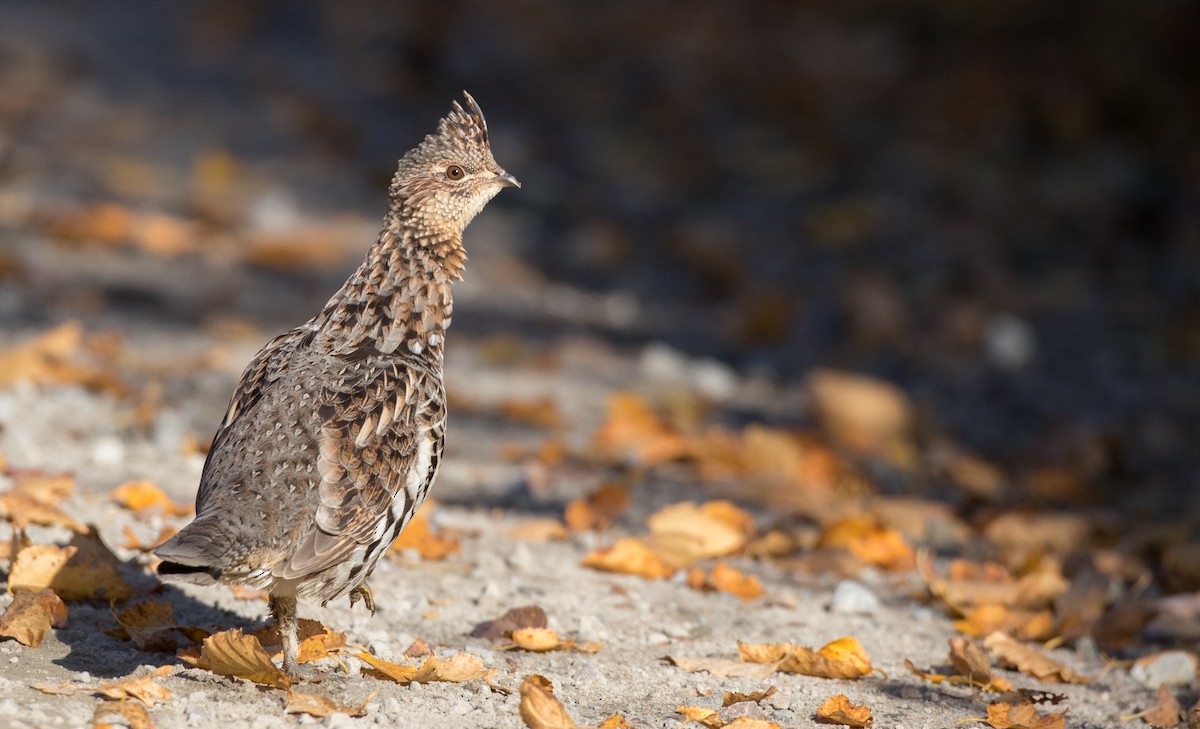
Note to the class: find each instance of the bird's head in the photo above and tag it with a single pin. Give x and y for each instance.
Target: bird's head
(447, 179)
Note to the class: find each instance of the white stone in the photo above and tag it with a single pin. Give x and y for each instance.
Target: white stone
(853, 597)
(1174, 668)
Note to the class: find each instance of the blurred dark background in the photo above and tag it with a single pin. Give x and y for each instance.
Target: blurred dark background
(994, 205)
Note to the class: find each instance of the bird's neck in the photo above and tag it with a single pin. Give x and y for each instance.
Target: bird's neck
(398, 301)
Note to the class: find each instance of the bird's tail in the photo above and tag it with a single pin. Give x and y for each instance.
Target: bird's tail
(194, 554)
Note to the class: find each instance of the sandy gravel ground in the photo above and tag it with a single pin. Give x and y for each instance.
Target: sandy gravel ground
(638, 622)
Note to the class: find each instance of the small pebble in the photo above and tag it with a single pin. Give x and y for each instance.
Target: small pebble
(746, 709)
(852, 597)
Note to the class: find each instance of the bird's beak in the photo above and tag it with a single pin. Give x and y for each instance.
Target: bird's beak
(507, 180)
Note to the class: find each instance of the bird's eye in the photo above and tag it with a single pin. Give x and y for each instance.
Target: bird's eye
(455, 172)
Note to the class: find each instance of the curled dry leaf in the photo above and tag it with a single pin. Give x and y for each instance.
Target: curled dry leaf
(631, 557)
(143, 688)
(843, 658)
(838, 710)
(419, 537)
(29, 617)
(53, 358)
(599, 509)
(1165, 712)
(686, 532)
(634, 432)
(321, 706)
(145, 496)
(526, 616)
(458, 668)
(1029, 660)
(969, 665)
(232, 653)
(150, 625)
(538, 530)
(867, 539)
(130, 714)
(864, 413)
(732, 697)
(1003, 715)
(735, 582)
(542, 640)
(316, 640)
(133, 542)
(616, 721)
(83, 570)
(539, 707)
(984, 620)
(34, 499)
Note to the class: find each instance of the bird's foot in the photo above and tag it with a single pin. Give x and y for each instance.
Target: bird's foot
(302, 674)
(362, 592)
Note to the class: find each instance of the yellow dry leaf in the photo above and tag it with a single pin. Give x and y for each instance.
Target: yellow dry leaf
(51, 358)
(705, 717)
(133, 542)
(735, 582)
(114, 714)
(150, 625)
(733, 697)
(1003, 715)
(34, 498)
(843, 658)
(1029, 660)
(141, 495)
(838, 710)
(526, 616)
(83, 570)
(599, 509)
(864, 413)
(143, 689)
(871, 542)
(321, 706)
(539, 708)
(684, 533)
(232, 653)
(633, 431)
(542, 413)
(616, 721)
(29, 617)
(629, 556)
(458, 668)
(537, 640)
(419, 537)
(984, 620)
(316, 640)
(538, 530)
(1165, 711)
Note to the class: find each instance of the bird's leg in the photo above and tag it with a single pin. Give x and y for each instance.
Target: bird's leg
(363, 592)
(283, 610)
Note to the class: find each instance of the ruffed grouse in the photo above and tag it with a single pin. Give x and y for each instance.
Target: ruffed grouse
(334, 434)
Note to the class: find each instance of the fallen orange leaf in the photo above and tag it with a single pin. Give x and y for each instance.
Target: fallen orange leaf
(83, 570)
(419, 537)
(542, 640)
(130, 714)
(838, 710)
(1003, 715)
(142, 495)
(686, 532)
(321, 706)
(634, 432)
(458, 668)
(526, 616)
(1029, 660)
(873, 543)
(843, 658)
(143, 688)
(629, 556)
(150, 625)
(29, 617)
(232, 653)
(539, 708)
(735, 582)
(599, 509)
(316, 640)
(34, 498)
